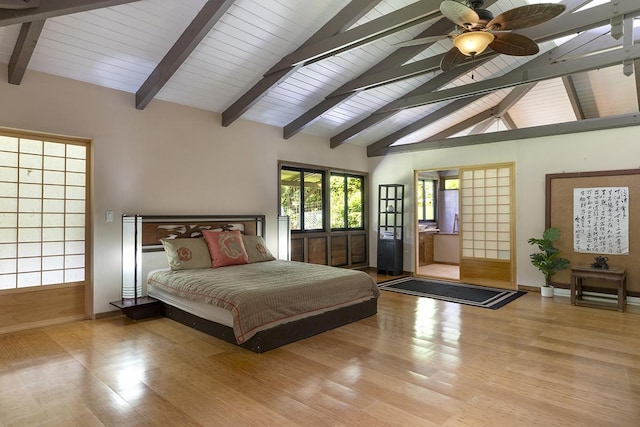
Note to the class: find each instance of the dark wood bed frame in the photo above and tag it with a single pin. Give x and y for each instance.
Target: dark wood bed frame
(263, 340)
(279, 335)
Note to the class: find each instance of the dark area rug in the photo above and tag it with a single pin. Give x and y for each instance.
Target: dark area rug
(461, 293)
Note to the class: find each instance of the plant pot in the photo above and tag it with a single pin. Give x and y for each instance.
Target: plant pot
(546, 291)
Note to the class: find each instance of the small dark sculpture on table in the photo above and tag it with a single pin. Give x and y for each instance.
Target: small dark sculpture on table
(601, 262)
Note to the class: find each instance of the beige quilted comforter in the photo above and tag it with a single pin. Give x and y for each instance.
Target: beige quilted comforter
(265, 294)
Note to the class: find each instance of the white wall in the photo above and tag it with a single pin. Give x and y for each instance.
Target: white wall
(593, 151)
(166, 159)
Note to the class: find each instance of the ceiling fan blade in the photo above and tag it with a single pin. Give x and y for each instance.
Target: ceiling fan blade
(525, 16)
(514, 44)
(459, 14)
(452, 59)
(19, 4)
(423, 40)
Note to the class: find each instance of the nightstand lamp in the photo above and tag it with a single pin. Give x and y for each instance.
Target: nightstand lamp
(133, 303)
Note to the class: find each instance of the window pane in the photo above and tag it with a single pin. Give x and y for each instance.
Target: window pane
(8, 266)
(28, 250)
(43, 211)
(52, 234)
(75, 233)
(53, 192)
(8, 189)
(26, 265)
(313, 201)
(54, 163)
(7, 281)
(74, 275)
(76, 151)
(290, 196)
(75, 178)
(8, 173)
(54, 177)
(54, 149)
(75, 165)
(8, 159)
(53, 263)
(425, 199)
(9, 250)
(354, 202)
(30, 161)
(77, 193)
(451, 184)
(52, 277)
(28, 279)
(8, 235)
(337, 183)
(30, 146)
(8, 143)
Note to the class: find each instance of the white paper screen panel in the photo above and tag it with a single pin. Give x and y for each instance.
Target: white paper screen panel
(42, 211)
(486, 213)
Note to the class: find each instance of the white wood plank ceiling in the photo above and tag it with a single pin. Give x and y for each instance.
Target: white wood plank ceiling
(120, 46)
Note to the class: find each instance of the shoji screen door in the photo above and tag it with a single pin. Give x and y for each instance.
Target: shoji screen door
(487, 228)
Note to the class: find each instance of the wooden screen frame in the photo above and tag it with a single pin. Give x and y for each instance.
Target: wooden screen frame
(559, 213)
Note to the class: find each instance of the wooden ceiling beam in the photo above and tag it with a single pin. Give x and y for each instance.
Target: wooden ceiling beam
(387, 69)
(508, 121)
(588, 125)
(563, 25)
(52, 8)
(348, 16)
(382, 114)
(23, 50)
(197, 30)
(536, 70)
(494, 112)
(574, 99)
(406, 17)
(427, 120)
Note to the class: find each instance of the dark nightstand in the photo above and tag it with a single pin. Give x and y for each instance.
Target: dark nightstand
(139, 308)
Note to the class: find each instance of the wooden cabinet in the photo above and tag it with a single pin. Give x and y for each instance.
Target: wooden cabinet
(425, 249)
(390, 228)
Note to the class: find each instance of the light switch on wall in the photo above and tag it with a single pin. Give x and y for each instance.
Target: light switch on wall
(108, 216)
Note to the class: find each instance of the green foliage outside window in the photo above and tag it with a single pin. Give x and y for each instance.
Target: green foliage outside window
(425, 199)
(346, 201)
(301, 198)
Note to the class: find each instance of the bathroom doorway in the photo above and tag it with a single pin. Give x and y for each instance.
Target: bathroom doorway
(437, 224)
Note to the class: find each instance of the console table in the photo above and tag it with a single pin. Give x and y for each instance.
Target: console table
(617, 275)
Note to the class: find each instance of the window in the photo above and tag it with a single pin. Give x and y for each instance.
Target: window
(347, 197)
(43, 211)
(302, 198)
(451, 184)
(426, 199)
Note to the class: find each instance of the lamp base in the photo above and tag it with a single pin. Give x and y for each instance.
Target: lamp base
(139, 308)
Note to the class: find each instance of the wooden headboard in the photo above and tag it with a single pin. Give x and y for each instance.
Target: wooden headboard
(156, 227)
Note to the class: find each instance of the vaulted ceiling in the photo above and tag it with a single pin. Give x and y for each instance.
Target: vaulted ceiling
(336, 68)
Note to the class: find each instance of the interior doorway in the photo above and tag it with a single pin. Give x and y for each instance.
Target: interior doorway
(465, 221)
(437, 224)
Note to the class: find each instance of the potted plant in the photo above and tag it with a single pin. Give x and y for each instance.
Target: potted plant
(548, 260)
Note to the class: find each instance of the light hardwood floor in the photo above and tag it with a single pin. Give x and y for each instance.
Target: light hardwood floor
(419, 362)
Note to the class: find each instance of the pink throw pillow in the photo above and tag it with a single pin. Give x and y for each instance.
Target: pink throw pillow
(225, 247)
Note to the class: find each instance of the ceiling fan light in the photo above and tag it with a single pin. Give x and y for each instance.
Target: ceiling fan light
(473, 43)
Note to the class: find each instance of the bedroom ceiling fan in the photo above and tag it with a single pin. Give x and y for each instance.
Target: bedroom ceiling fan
(19, 4)
(477, 29)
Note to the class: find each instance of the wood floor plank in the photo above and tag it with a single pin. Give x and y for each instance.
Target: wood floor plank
(418, 362)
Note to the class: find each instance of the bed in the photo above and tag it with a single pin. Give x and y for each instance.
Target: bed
(260, 304)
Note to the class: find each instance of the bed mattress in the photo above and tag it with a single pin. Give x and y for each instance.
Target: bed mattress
(262, 295)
